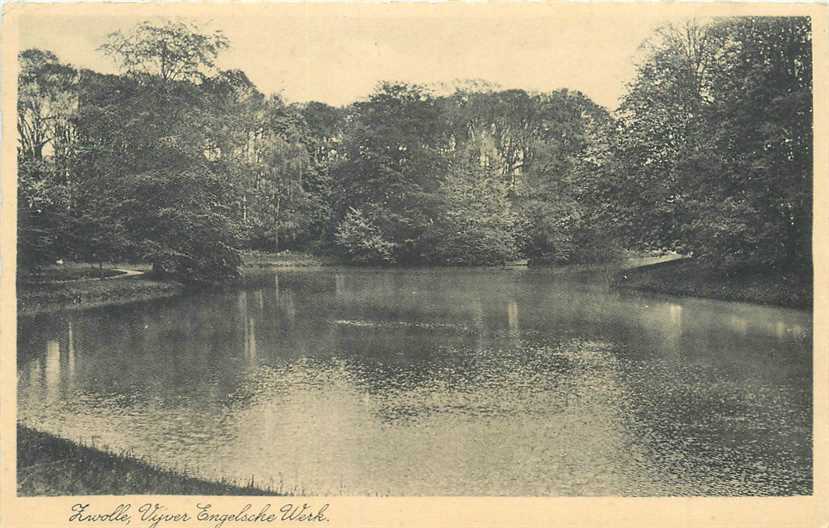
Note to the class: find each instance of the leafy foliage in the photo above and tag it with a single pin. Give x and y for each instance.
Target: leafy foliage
(476, 224)
(715, 142)
(172, 51)
(389, 165)
(181, 163)
(362, 241)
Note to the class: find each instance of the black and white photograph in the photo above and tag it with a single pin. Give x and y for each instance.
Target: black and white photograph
(375, 251)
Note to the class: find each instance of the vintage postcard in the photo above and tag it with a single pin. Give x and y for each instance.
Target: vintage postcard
(413, 264)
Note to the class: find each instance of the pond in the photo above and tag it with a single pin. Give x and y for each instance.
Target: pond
(443, 381)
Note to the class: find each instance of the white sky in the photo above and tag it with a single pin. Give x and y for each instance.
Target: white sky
(338, 54)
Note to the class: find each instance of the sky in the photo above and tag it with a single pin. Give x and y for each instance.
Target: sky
(338, 54)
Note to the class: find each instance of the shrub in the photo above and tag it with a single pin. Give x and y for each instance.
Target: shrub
(362, 241)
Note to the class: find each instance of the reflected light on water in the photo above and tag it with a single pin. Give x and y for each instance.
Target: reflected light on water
(512, 316)
(415, 383)
(52, 368)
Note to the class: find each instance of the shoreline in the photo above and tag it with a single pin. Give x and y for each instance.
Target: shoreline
(48, 465)
(127, 286)
(689, 278)
(680, 276)
(36, 299)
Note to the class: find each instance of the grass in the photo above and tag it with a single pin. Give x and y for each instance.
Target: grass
(263, 259)
(71, 285)
(52, 466)
(82, 285)
(69, 274)
(41, 297)
(736, 283)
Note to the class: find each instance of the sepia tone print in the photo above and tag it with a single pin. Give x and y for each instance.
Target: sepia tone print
(401, 262)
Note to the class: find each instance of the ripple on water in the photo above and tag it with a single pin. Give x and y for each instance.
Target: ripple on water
(481, 383)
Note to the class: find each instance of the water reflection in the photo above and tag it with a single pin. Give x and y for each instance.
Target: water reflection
(676, 316)
(740, 324)
(512, 316)
(70, 351)
(52, 364)
(437, 382)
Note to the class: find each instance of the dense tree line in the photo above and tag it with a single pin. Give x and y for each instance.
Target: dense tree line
(182, 164)
(715, 142)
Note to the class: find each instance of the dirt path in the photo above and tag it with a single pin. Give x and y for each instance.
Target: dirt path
(125, 273)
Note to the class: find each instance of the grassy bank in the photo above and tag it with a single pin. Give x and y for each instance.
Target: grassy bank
(69, 274)
(33, 298)
(263, 259)
(79, 285)
(48, 465)
(739, 283)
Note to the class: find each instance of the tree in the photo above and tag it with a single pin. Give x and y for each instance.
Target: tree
(184, 226)
(40, 210)
(47, 99)
(324, 139)
(502, 123)
(391, 159)
(714, 143)
(171, 51)
(161, 160)
(478, 176)
(476, 223)
(547, 150)
(362, 240)
(560, 199)
(660, 119)
(283, 205)
(766, 156)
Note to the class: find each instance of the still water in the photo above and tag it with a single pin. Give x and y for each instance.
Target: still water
(436, 382)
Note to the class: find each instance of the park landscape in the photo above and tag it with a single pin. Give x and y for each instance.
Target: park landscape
(473, 290)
